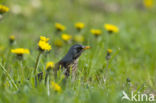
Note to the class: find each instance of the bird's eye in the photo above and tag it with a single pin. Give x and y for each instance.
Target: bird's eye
(79, 49)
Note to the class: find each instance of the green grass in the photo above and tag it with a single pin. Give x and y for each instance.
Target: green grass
(133, 56)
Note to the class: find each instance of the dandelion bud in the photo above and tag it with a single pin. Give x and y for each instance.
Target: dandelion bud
(50, 65)
(108, 56)
(11, 39)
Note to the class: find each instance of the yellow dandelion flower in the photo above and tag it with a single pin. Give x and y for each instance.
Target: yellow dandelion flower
(79, 38)
(44, 46)
(20, 51)
(111, 28)
(109, 51)
(96, 32)
(66, 37)
(60, 27)
(3, 9)
(58, 43)
(148, 3)
(44, 38)
(79, 25)
(56, 87)
(50, 65)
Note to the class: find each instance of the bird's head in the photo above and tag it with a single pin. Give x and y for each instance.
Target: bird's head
(75, 51)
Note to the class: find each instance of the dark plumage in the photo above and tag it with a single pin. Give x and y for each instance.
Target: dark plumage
(69, 61)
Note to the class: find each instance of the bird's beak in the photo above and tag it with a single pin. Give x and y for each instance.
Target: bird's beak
(86, 47)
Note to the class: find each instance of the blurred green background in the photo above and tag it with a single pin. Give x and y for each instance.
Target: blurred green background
(133, 56)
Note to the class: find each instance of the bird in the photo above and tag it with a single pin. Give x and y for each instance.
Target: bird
(68, 62)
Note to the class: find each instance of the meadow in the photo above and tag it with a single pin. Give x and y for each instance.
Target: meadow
(100, 78)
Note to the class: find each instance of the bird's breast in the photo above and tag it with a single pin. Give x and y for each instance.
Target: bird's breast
(74, 65)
